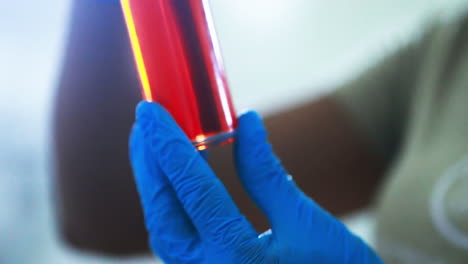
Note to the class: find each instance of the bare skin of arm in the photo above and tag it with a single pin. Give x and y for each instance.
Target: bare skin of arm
(97, 202)
(319, 146)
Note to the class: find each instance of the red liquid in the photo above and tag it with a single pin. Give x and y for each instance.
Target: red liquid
(180, 66)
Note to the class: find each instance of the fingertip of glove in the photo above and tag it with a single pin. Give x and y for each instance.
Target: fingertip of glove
(249, 114)
(142, 107)
(160, 131)
(150, 110)
(250, 124)
(145, 110)
(150, 115)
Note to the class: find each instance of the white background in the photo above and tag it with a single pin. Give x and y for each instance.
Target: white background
(277, 53)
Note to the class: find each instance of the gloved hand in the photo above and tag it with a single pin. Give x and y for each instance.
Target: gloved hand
(191, 218)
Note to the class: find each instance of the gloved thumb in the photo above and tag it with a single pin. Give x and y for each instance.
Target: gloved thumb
(261, 172)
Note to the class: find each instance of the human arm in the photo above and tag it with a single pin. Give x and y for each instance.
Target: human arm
(320, 145)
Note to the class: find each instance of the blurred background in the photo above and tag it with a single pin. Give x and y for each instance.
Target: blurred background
(277, 53)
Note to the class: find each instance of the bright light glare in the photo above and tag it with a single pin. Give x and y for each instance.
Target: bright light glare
(136, 49)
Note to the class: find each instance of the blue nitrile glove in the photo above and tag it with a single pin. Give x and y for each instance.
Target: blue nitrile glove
(192, 219)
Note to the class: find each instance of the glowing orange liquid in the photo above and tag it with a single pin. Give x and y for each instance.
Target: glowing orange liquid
(180, 66)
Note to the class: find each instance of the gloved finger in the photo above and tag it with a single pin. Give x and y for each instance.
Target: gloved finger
(171, 233)
(261, 172)
(202, 195)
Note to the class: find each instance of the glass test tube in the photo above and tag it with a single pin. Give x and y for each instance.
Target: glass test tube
(180, 66)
